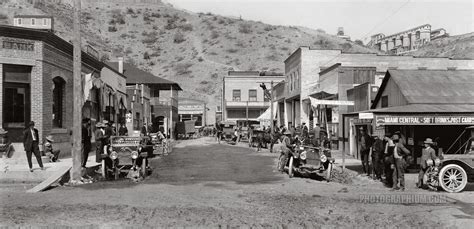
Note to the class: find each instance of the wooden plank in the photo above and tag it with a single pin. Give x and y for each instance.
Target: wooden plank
(51, 180)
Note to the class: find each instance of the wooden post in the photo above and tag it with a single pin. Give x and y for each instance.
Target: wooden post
(77, 93)
(271, 107)
(247, 113)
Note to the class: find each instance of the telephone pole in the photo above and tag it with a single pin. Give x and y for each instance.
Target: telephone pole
(77, 93)
(271, 108)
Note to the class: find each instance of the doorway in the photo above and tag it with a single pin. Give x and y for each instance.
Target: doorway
(16, 109)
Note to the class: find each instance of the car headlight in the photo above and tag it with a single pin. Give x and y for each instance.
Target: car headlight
(437, 162)
(429, 162)
(113, 155)
(324, 158)
(303, 155)
(134, 154)
(140, 148)
(301, 148)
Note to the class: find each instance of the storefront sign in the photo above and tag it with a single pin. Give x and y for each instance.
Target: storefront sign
(366, 115)
(18, 45)
(315, 102)
(423, 120)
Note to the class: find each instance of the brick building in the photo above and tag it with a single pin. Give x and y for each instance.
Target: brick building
(36, 82)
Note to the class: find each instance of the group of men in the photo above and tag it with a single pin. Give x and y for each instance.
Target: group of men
(388, 157)
(104, 130)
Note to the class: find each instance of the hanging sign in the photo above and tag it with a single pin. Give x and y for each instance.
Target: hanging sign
(423, 120)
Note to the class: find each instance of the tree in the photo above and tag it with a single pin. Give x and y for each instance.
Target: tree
(359, 42)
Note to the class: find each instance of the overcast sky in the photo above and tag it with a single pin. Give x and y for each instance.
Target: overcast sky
(360, 18)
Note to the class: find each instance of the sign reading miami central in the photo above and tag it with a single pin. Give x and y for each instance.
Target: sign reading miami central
(423, 120)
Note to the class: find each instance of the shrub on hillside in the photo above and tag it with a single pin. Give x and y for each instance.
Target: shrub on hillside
(3, 17)
(214, 76)
(268, 28)
(171, 24)
(200, 59)
(187, 27)
(214, 34)
(117, 17)
(146, 56)
(130, 11)
(232, 50)
(183, 68)
(245, 28)
(221, 21)
(157, 15)
(112, 29)
(178, 37)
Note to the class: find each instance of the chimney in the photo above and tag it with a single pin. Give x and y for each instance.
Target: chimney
(120, 65)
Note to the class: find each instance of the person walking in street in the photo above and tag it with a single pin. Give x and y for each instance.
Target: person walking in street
(49, 151)
(399, 153)
(427, 153)
(285, 149)
(365, 144)
(144, 131)
(219, 133)
(305, 131)
(377, 155)
(388, 160)
(99, 141)
(86, 141)
(31, 144)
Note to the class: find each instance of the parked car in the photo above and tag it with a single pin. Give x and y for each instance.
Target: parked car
(125, 154)
(308, 159)
(453, 170)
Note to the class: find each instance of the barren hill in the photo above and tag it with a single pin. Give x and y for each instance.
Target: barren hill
(461, 46)
(194, 49)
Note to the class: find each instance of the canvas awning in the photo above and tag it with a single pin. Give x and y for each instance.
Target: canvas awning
(316, 102)
(266, 115)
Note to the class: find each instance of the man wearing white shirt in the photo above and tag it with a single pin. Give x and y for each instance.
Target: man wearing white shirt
(30, 142)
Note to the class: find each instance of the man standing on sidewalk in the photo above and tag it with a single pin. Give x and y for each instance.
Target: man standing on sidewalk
(86, 141)
(365, 144)
(399, 152)
(30, 142)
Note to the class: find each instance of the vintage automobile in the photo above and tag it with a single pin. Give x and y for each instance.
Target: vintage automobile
(125, 154)
(228, 131)
(453, 170)
(308, 159)
(159, 143)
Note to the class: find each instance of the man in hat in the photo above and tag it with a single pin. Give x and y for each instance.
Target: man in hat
(100, 141)
(305, 131)
(399, 154)
(388, 160)
(86, 141)
(49, 151)
(285, 148)
(427, 153)
(5, 144)
(377, 155)
(365, 144)
(31, 144)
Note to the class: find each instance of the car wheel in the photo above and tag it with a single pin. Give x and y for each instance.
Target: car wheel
(290, 167)
(328, 172)
(144, 163)
(452, 178)
(103, 169)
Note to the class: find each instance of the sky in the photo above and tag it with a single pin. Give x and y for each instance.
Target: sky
(360, 18)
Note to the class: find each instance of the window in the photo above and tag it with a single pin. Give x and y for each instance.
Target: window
(19, 21)
(58, 95)
(252, 95)
(385, 101)
(236, 95)
(45, 22)
(32, 21)
(417, 35)
(136, 121)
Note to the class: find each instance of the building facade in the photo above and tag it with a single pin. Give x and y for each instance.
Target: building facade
(406, 41)
(303, 66)
(34, 21)
(36, 83)
(191, 109)
(421, 104)
(244, 99)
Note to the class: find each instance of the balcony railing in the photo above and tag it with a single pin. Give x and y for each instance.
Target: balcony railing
(164, 102)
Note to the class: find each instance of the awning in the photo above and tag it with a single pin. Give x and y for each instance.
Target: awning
(266, 115)
(316, 102)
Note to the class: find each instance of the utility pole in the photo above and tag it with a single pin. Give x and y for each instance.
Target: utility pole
(77, 92)
(247, 113)
(271, 107)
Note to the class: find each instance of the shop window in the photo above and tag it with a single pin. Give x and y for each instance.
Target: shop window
(236, 95)
(136, 121)
(385, 101)
(32, 21)
(252, 95)
(58, 97)
(45, 21)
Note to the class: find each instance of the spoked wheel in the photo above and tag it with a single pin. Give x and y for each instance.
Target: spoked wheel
(453, 178)
(290, 167)
(431, 179)
(328, 172)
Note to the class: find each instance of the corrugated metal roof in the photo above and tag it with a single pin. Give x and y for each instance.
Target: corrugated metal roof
(435, 86)
(427, 108)
(138, 76)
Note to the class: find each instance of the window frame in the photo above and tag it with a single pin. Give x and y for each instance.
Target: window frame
(236, 98)
(252, 98)
(384, 101)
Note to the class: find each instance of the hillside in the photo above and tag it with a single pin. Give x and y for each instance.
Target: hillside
(461, 46)
(194, 49)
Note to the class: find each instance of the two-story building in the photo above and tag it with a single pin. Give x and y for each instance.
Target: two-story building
(244, 99)
(192, 109)
(152, 100)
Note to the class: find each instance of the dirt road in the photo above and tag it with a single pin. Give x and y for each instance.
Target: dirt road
(203, 184)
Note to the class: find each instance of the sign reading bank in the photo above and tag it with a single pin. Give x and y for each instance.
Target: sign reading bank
(381, 120)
